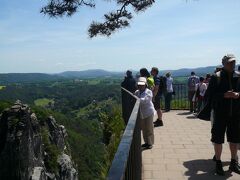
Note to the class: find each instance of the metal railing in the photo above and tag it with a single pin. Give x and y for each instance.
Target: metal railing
(179, 99)
(127, 162)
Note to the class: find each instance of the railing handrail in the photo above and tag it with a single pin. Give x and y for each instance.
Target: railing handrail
(118, 167)
(130, 93)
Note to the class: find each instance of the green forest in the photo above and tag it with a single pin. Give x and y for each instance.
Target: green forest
(89, 109)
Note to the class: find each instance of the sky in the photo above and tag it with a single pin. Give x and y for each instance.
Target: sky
(172, 34)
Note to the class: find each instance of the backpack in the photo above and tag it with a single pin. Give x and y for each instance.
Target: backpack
(163, 84)
(192, 83)
(205, 113)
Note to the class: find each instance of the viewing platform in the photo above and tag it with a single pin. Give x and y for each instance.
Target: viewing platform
(183, 150)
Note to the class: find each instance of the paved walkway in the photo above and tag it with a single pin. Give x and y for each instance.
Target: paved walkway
(183, 150)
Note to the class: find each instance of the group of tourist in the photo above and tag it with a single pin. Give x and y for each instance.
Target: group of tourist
(150, 87)
(197, 88)
(219, 91)
(221, 94)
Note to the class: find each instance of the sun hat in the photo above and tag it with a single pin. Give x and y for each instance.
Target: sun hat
(142, 81)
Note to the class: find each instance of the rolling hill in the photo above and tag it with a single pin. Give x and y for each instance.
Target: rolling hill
(27, 77)
(94, 73)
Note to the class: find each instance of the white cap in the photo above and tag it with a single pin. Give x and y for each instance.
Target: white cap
(228, 58)
(142, 81)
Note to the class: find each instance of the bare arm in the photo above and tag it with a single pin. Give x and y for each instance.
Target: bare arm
(155, 90)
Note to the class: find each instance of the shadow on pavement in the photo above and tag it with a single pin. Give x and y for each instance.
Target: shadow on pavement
(202, 169)
(185, 113)
(191, 117)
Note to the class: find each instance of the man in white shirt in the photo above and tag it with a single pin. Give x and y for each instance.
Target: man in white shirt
(146, 112)
(169, 92)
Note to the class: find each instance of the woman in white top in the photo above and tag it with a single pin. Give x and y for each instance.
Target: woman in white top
(146, 112)
(201, 88)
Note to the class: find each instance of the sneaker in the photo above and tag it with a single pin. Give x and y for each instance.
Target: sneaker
(144, 145)
(234, 166)
(147, 146)
(158, 123)
(155, 121)
(219, 168)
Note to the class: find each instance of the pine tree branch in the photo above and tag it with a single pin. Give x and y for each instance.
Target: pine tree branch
(112, 21)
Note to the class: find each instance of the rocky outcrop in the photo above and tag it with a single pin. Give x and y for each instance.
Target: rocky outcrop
(26, 147)
(66, 167)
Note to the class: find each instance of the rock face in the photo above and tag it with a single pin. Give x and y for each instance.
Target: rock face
(23, 154)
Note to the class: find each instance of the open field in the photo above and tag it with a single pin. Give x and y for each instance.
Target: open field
(43, 102)
(2, 87)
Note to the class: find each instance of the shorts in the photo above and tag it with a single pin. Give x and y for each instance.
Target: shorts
(156, 103)
(228, 125)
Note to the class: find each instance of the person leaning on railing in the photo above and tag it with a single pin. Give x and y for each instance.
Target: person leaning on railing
(146, 112)
(129, 82)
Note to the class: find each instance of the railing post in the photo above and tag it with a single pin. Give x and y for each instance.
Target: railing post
(181, 97)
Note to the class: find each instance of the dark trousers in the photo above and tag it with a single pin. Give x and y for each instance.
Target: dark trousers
(168, 99)
(199, 104)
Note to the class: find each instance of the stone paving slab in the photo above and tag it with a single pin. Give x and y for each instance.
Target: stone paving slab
(183, 150)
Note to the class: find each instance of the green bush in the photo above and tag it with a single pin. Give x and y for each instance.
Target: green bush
(4, 105)
(52, 151)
